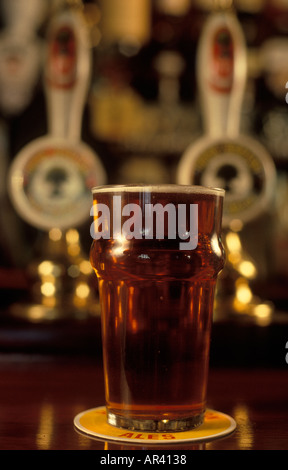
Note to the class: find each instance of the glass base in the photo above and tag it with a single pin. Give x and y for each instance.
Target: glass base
(162, 425)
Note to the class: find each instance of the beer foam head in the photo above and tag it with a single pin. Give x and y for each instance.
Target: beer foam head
(159, 188)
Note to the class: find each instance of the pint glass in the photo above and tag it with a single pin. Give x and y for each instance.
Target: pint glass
(157, 252)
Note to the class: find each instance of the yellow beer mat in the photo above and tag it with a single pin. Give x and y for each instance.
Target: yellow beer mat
(93, 423)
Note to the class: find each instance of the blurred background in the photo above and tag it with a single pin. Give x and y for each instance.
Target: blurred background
(141, 112)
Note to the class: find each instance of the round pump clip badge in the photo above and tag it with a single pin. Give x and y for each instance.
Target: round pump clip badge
(50, 185)
(242, 168)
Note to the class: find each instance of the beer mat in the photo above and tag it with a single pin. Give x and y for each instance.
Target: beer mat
(93, 423)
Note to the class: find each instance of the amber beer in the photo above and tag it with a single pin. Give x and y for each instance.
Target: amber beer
(156, 304)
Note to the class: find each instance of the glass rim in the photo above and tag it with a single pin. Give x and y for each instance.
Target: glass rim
(162, 187)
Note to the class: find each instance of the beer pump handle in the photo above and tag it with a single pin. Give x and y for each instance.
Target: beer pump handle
(221, 66)
(67, 72)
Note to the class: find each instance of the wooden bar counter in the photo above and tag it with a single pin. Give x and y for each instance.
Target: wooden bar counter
(50, 373)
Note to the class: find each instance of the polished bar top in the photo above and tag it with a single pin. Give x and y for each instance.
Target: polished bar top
(40, 394)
